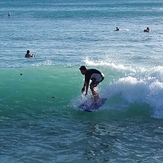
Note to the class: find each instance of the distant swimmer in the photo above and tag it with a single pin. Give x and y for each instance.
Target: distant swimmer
(28, 55)
(147, 30)
(96, 77)
(9, 14)
(117, 29)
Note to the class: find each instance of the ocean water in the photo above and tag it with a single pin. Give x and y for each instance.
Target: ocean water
(39, 119)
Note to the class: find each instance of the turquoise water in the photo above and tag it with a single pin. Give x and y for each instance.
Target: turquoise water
(39, 96)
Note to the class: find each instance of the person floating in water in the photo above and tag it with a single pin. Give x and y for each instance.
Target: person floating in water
(147, 30)
(9, 14)
(28, 55)
(116, 29)
(96, 77)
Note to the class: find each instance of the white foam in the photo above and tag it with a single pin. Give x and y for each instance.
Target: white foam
(139, 85)
(111, 65)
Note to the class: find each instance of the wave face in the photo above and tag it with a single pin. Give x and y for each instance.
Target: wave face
(57, 87)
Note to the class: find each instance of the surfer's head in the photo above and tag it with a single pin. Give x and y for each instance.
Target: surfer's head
(83, 70)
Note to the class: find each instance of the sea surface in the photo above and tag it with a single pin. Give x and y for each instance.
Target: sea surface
(39, 97)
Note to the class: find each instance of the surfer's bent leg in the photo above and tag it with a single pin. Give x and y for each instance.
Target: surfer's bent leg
(93, 84)
(94, 93)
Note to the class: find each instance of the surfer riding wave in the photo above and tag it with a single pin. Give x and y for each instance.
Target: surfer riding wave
(96, 77)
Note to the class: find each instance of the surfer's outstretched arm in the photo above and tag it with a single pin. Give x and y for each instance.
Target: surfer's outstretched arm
(85, 88)
(86, 85)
